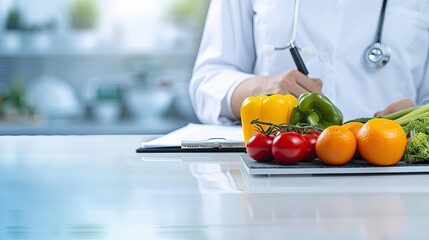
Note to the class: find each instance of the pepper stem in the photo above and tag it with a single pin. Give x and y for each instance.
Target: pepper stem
(313, 118)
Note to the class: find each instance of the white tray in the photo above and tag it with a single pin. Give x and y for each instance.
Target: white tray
(355, 166)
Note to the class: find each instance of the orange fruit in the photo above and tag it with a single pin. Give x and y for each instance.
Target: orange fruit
(354, 127)
(381, 142)
(336, 145)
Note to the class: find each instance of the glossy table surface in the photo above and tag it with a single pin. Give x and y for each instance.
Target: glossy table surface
(97, 187)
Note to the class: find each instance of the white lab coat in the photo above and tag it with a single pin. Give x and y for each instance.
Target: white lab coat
(337, 32)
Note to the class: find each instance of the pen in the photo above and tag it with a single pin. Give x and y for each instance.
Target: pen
(298, 59)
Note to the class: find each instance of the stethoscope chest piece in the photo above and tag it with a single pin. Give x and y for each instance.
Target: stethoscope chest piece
(377, 55)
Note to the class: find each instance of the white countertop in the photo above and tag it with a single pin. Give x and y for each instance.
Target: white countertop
(97, 187)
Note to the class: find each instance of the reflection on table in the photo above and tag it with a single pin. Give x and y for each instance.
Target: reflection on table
(97, 187)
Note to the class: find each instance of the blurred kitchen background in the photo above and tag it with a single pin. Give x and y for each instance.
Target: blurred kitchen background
(97, 66)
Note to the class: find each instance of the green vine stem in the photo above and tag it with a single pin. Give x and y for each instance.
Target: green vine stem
(274, 128)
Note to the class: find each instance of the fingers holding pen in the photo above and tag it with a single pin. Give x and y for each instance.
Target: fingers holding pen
(296, 83)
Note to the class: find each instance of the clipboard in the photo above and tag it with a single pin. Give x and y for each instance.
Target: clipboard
(212, 143)
(190, 150)
(209, 145)
(198, 138)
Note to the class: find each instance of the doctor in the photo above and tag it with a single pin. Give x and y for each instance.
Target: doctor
(333, 35)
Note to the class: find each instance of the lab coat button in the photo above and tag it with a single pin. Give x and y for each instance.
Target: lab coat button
(324, 56)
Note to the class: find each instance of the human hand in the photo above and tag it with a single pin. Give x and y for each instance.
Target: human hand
(396, 106)
(292, 82)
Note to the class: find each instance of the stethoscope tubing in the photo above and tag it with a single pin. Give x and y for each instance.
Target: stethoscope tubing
(376, 55)
(381, 22)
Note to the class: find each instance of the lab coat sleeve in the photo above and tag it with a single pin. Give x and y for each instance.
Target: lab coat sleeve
(226, 57)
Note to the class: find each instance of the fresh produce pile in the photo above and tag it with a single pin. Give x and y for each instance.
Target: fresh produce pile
(282, 129)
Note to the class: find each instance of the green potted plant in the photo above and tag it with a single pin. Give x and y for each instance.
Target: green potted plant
(14, 19)
(11, 37)
(83, 15)
(189, 17)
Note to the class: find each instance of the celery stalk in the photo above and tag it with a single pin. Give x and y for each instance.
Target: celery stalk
(413, 114)
(398, 114)
(404, 121)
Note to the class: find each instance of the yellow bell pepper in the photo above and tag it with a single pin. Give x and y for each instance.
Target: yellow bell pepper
(275, 108)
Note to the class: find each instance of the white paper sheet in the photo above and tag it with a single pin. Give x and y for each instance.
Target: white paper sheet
(194, 131)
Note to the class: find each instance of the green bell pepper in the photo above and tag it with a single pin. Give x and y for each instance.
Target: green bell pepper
(315, 109)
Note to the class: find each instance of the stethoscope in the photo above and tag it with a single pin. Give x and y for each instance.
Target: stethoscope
(376, 55)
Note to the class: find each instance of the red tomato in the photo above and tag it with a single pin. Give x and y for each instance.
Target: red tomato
(289, 147)
(311, 139)
(259, 147)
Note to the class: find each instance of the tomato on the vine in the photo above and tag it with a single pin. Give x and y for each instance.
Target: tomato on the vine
(259, 147)
(289, 147)
(311, 139)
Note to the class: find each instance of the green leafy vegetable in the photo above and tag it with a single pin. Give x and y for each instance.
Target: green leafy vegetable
(417, 150)
(419, 126)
